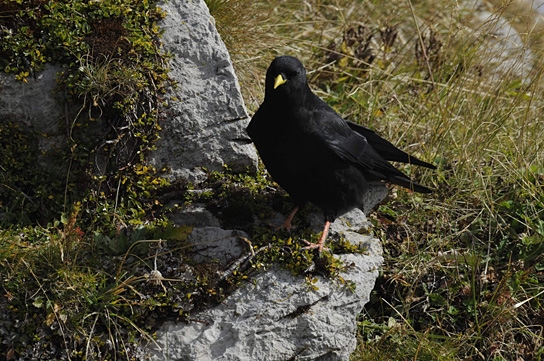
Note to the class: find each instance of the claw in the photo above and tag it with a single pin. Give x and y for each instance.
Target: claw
(287, 225)
(321, 242)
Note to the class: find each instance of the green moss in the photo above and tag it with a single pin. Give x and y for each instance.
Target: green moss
(73, 244)
(243, 201)
(114, 78)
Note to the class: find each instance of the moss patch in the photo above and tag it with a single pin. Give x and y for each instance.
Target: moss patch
(113, 79)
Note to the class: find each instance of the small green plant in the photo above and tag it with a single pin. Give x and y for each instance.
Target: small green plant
(463, 269)
(67, 225)
(462, 276)
(114, 77)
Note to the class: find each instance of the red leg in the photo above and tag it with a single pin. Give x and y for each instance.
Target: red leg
(287, 224)
(321, 242)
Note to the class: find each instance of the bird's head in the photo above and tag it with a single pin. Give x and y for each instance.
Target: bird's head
(286, 76)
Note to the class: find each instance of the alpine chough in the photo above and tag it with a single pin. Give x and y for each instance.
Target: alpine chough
(316, 155)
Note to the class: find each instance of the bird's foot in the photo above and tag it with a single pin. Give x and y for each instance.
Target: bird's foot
(319, 246)
(321, 242)
(287, 225)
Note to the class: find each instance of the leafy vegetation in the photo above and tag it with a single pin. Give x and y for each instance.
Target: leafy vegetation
(70, 212)
(463, 273)
(113, 76)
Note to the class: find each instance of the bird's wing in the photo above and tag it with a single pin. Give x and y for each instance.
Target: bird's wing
(335, 134)
(386, 149)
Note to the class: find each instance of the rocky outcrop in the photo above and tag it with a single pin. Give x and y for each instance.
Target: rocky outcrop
(278, 315)
(506, 52)
(206, 113)
(34, 105)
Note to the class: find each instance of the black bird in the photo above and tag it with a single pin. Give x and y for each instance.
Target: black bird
(316, 155)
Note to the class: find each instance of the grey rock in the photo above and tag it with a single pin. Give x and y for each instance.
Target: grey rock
(195, 215)
(503, 50)
(217, 244)
(511, 57)
(37, 108)
(34, 102)
(206, 115)
(278, 316)
(376, 192)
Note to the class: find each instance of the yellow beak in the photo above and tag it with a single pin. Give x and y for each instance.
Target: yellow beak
(279, 81)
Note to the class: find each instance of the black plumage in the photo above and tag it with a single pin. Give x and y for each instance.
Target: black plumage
(316, 155)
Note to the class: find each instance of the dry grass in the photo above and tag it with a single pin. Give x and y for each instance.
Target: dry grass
(463, 274)
(438, 81)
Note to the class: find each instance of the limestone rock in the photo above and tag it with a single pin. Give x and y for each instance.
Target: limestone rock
(503, 49)
(511, 57)
(35, 106)
(206, 116)
(215, 243)
(195, 215)
(33, 103)
(278, 316)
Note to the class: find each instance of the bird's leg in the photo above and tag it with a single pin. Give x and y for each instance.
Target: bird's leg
(287, 223)
(321, 242)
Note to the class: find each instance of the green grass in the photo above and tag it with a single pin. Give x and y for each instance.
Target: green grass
(462, 277)
(463, 272)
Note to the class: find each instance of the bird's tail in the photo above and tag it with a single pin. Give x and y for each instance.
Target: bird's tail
(409, 184)
(386, 171)
(385, 148)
